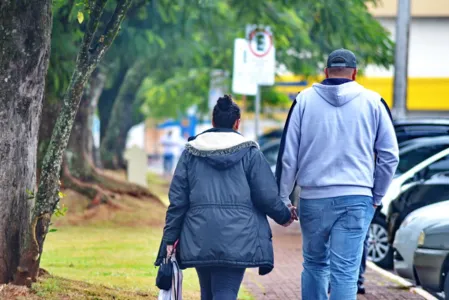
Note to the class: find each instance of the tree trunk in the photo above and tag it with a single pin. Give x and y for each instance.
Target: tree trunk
(25, 30)
(107, 100)
(79, 151)
(90, 54)
(80, 172)
(121, 119)
(78, 168)
(50, 110)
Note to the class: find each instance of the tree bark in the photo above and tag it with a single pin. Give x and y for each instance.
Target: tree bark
(121, 120)
(107, 100)
(50, 110)
(79, 153)
(25, 31)
(91, 52)
(80, 172)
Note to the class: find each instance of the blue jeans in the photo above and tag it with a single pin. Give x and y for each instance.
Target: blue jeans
(362, 269)
(219, 283)
(333, 232)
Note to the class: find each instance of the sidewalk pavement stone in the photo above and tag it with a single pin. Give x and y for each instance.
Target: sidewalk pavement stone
(284, 282)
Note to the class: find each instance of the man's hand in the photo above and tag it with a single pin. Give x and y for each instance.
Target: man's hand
(293, 211)
(293, 217)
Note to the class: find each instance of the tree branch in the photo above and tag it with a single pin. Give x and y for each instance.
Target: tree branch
(47, 194)
(94, 21)
(110, 31)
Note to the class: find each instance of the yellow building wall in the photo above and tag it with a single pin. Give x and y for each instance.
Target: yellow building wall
(424, 94)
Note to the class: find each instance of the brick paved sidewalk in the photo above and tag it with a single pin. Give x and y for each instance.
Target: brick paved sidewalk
(284, 281)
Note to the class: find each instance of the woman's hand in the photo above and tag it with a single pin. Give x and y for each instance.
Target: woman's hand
(294, 215)
(294, 212)
(170, 250)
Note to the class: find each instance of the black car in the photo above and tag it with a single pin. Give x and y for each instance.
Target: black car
(412, 152)
(422, 193)
(406, 129)
(431, 260)
(271, 150)
(270, 136)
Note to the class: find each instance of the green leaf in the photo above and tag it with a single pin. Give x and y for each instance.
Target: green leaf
(53, 230)
(80, 17)
(61, 195)
(30, 194)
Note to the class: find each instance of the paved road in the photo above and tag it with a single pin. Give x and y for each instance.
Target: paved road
(284, 281)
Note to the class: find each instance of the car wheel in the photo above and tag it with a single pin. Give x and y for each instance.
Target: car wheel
(446, 285)
(379, 251)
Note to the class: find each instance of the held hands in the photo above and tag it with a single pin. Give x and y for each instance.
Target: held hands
(294, 215)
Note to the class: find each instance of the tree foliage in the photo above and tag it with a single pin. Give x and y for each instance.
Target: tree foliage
(304, 33)
(182, 41)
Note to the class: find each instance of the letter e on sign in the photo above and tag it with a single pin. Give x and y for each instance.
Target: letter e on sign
(260, 42)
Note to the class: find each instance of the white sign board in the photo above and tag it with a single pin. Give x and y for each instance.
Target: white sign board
(254, 62)
(243, 81)
(262, 58)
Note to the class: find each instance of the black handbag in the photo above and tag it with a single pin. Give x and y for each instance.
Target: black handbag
(165, 275)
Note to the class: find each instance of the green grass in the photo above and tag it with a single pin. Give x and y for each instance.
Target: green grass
(109, 257)
(117, 257)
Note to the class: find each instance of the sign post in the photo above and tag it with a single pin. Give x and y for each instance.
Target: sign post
(254, 65)
(260, 42)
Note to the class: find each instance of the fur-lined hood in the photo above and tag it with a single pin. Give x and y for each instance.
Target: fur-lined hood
(221, 148)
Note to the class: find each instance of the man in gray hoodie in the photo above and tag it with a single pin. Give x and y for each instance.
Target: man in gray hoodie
(340, 148)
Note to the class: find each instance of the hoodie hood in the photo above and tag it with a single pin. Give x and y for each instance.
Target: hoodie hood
(338, 95)
(221, 148)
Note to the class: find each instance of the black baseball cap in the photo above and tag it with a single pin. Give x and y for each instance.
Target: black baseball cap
(342, 58)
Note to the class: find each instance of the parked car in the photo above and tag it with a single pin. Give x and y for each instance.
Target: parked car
(380, 250)
(408, 129)
(412, 152)
(271, 150)
(270, 136)
(425, 192)
(431, 260)
(406, 239)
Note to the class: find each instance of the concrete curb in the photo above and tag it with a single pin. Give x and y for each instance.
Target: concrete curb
(401, 281)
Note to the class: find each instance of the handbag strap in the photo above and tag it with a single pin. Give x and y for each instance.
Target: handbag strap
(176, 287)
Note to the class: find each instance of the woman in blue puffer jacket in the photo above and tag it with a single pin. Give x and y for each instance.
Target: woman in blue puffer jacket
(221, 194)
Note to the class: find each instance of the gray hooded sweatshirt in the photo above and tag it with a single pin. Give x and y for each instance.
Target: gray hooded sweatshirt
(340, 141)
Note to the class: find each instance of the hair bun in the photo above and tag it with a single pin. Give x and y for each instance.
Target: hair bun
(225, 102)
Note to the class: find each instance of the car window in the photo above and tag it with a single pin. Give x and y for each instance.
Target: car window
(441, 165)
(408, 132)
(271, 154)
(413, 157)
